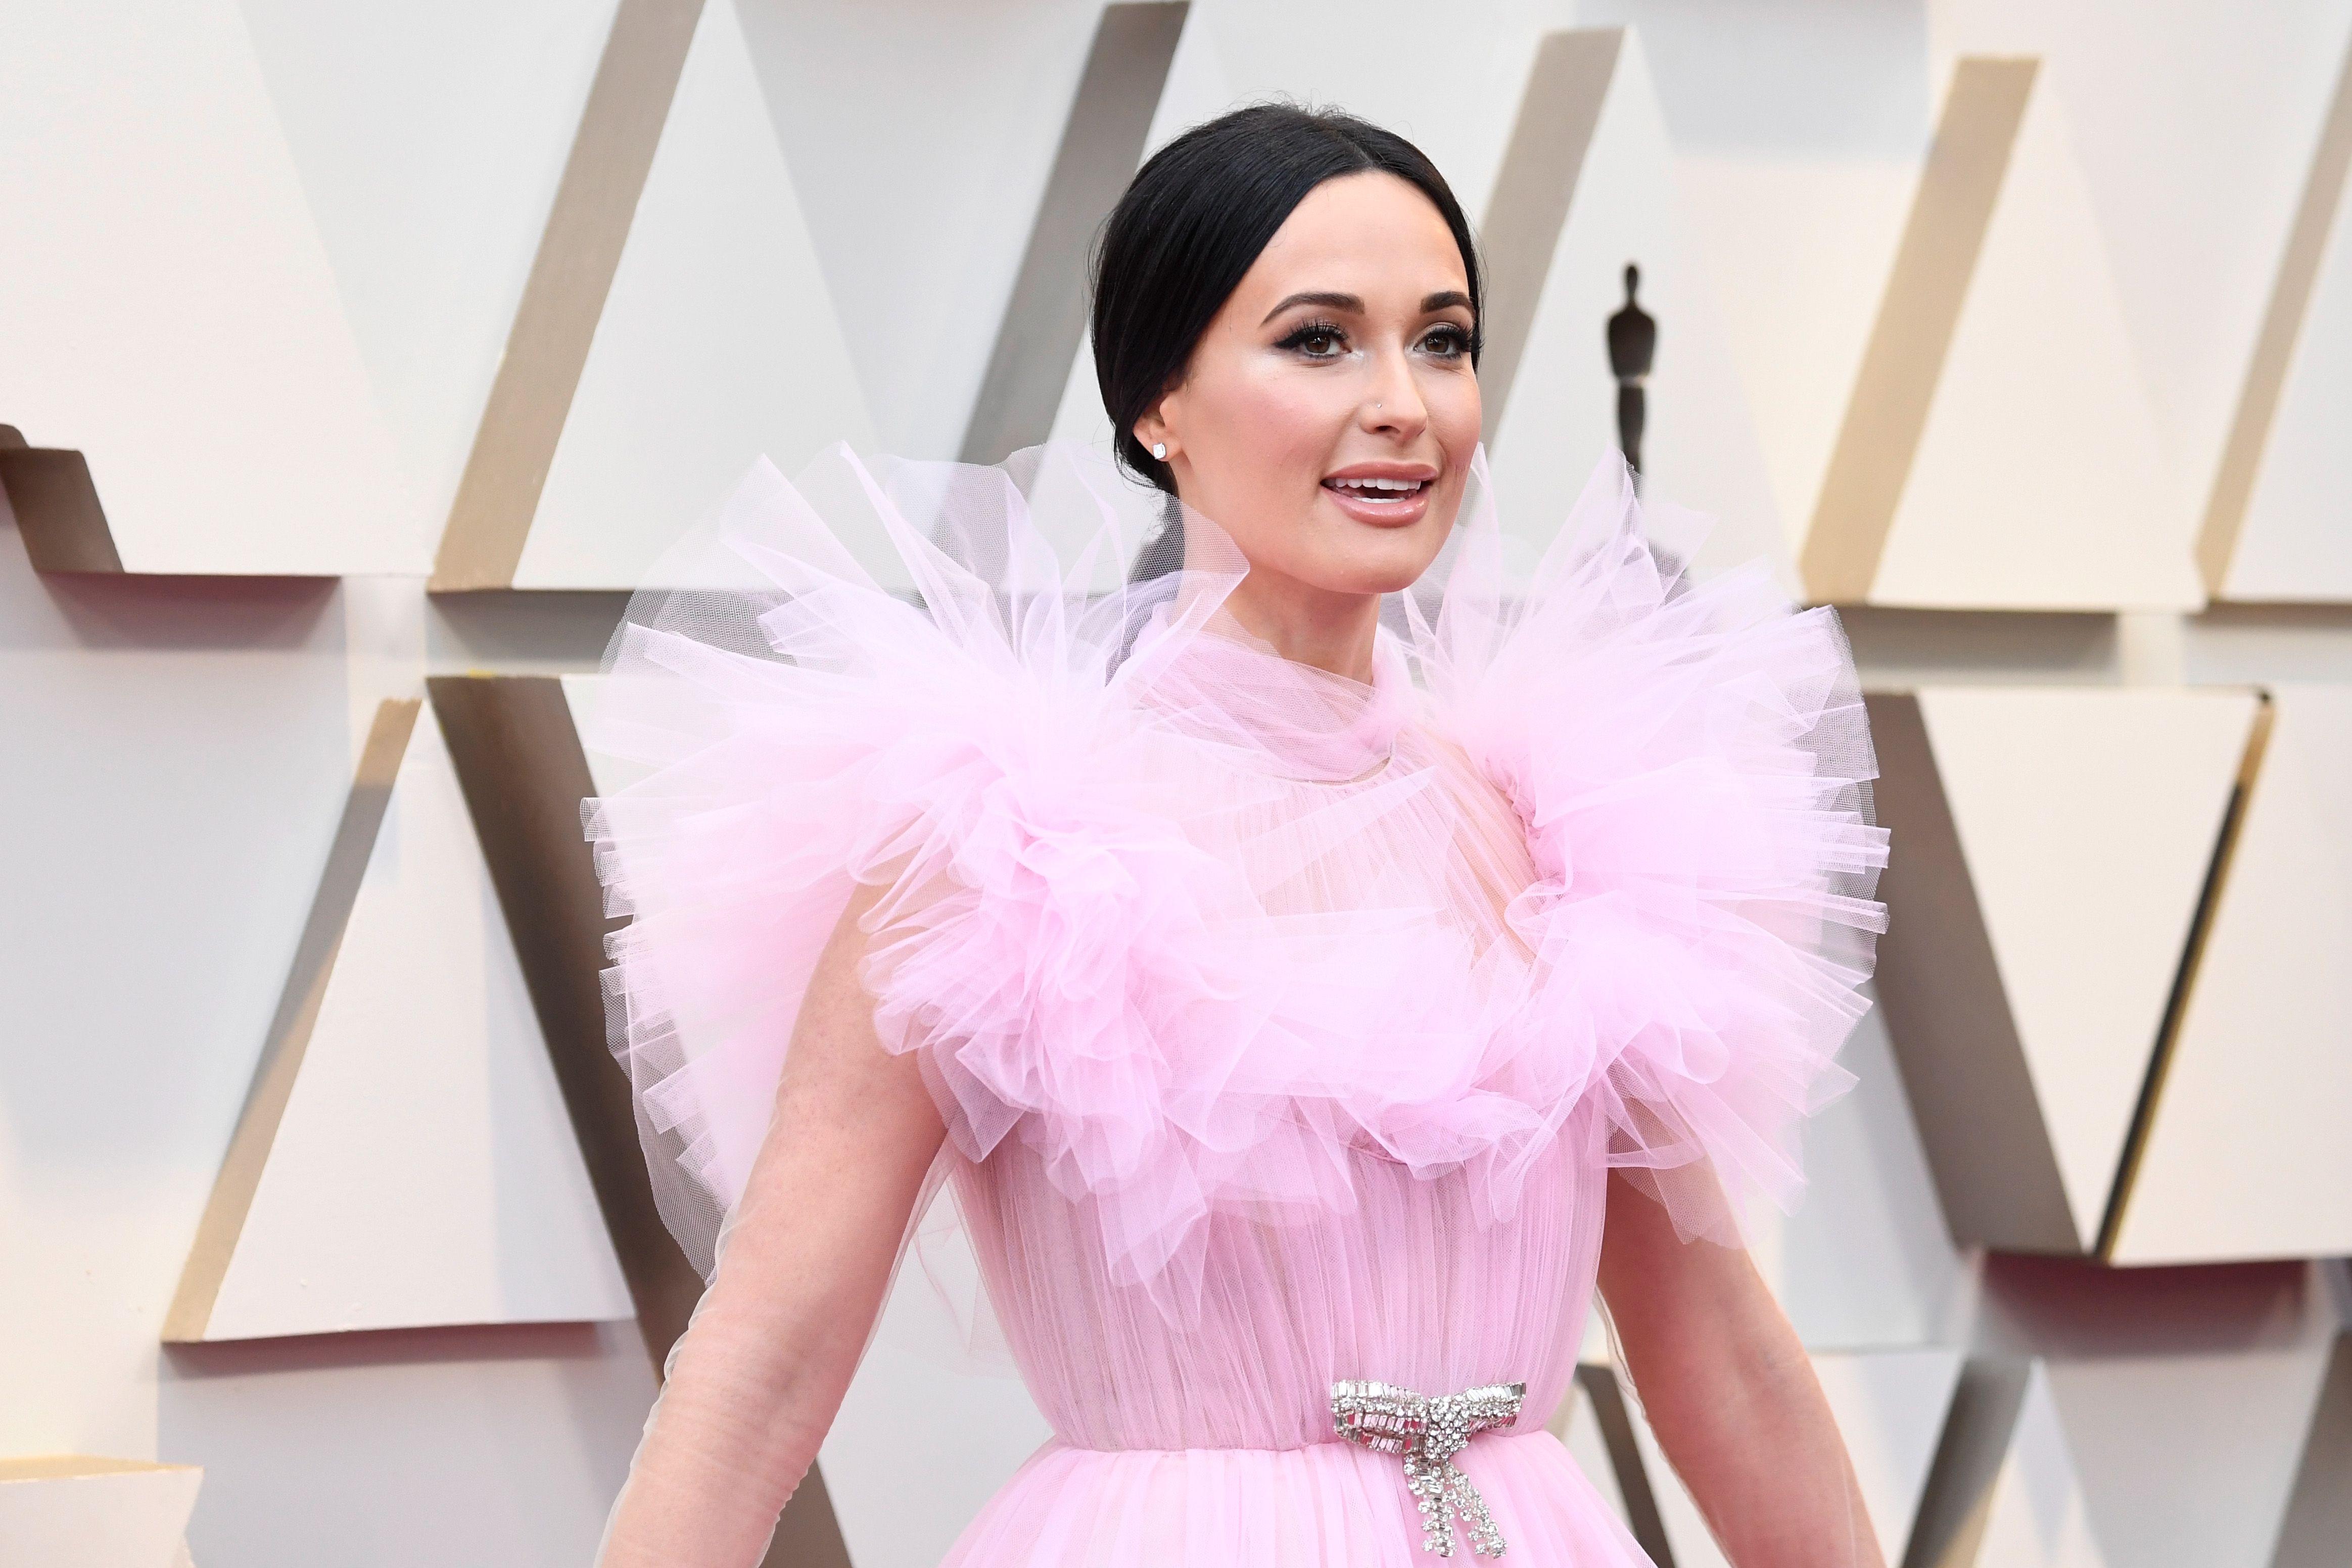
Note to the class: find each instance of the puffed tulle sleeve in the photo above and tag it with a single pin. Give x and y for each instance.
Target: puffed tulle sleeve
(1196, 923)
(930, 713)
(1692, 763)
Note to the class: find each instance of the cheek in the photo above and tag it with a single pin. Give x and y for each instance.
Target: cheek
(1454, 414)
(1281, 418)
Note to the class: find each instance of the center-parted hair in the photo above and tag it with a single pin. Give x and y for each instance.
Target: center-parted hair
(1194, 221)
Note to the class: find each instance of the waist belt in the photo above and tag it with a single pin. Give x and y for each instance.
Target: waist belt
(1427, 1432)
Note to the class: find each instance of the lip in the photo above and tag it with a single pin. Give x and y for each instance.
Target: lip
(1401, 513)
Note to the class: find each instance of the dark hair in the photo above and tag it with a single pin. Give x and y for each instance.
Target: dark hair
(1194, 222)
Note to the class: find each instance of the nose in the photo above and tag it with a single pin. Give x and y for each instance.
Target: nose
(1392, 404)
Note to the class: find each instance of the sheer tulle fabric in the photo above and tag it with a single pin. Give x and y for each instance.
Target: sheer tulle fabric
(1327, 1504)
(1283, 1026)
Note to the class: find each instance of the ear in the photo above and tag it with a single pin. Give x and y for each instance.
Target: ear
(1163, 421)
(1152, 430)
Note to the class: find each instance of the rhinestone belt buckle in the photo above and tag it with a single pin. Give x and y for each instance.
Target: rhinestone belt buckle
(1427, 1432)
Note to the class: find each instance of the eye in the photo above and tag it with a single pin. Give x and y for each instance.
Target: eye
(1316, 340)
(1447, 340)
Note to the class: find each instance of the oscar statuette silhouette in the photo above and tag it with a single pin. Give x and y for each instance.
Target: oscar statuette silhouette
(1632, 348)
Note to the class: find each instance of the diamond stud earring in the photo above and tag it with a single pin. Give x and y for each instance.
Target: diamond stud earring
(1160, 451)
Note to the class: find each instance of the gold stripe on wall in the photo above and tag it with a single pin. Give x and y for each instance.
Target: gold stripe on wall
(1888, 410)
(2298, 275)
(1615, 1422)
(1955, 1500)
(1102, 142)
(523, 772)
(190, 1316)
(523, 775)
(1558, 115)
(2176, 1010)
(587, 228)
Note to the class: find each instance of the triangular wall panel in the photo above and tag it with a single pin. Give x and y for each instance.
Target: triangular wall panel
(2186, 1394)
(1195, 88)
(1587, 186)
(676, 328)
(1042, 334)
(2244, 1152)
(2088, 821)
(2279, 524)
(517, 751)
(2003, 1492)
(2318, 1520)
(2187, 1459)
(923, 142)
(1180, 66)
(2052, 846)
(404, 1161)
(717, 344)
(74, 1511)
(2000, 449)
(172, 345)
(430, 136)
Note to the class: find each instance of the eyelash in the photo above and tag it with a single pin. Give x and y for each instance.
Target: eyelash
(1463, 341)
(1300, 335)
(1460, 342)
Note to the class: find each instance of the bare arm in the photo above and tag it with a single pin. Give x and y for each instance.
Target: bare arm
(1731, 1394)
(754, 1382)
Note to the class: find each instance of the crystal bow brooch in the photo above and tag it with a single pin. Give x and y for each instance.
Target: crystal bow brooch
(1427, 1432)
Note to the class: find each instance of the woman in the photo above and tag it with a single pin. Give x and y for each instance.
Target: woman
(1304, 1010)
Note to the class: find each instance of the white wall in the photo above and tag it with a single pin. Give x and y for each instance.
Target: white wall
(175, 756)
(175, 759)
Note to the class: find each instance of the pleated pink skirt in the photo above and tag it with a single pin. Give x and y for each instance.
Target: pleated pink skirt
(1321, 1507)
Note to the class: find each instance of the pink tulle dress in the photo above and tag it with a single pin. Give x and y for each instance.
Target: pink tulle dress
(1286, 1029)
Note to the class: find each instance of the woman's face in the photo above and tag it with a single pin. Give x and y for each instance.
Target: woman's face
(1328, 414)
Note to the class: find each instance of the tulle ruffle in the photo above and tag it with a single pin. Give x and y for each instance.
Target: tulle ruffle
(1198, 925)
(1692, 763)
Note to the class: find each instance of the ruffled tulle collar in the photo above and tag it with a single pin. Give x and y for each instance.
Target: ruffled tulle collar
(1231, 690)
(1191, 1002)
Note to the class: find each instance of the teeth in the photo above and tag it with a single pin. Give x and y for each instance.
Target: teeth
(1390, 485)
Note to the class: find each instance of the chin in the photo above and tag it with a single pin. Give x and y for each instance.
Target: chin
(1390, 566)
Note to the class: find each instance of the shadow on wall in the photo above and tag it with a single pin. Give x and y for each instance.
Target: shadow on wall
(162, 614)
(2063, 1307)
(383, 1347)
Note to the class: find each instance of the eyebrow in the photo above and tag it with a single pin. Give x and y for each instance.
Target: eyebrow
(1441, 300)
(1329, 301)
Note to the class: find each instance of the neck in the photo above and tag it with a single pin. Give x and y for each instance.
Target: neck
(1312, 626)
